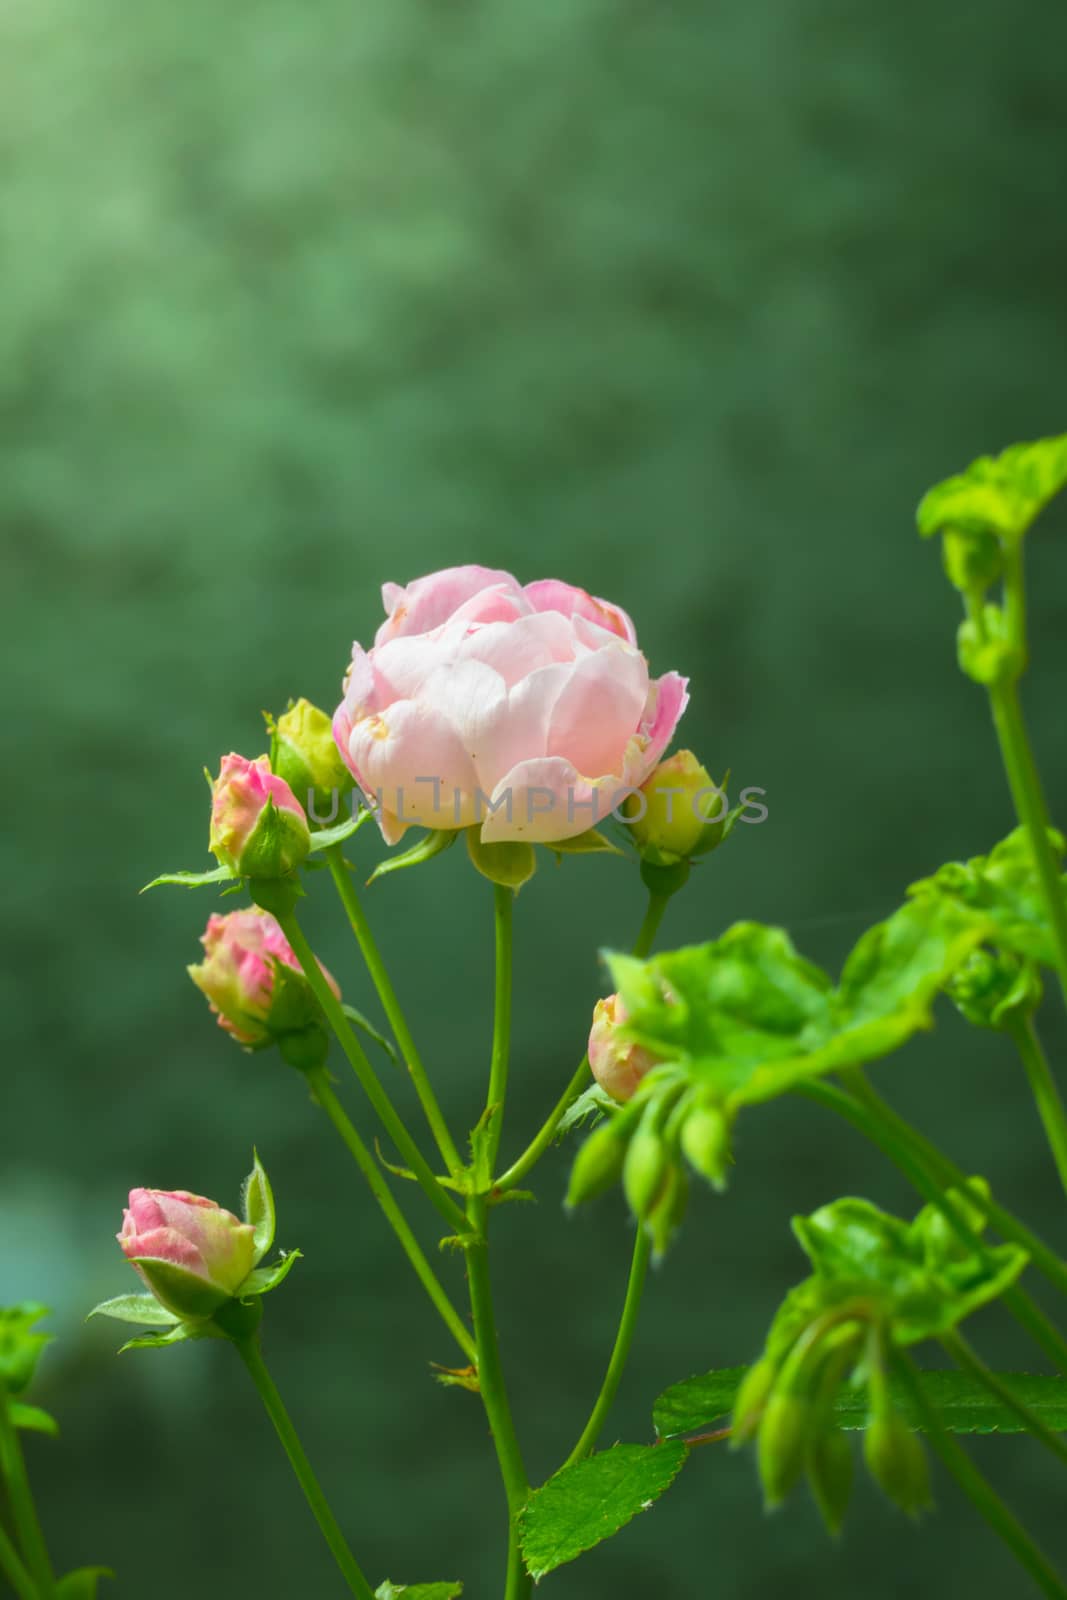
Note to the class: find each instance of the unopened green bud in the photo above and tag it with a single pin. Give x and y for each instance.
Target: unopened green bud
(644, 1169)
(988, 654)
(992, 989)
(973, 561)
(304, 752)
(678, 810)
(830, 1475)
(665, 1217)
(783, 1444)
(705, 1141)
(597, 1165)
(750, 1400)
(896, 1460)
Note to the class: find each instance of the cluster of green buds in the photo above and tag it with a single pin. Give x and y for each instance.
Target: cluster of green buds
(667, 1127)
(788, 1402)
(995, 988)
(678, 815)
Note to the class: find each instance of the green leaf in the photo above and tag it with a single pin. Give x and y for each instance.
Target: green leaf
(589, 1501)
(193, 880)
(81, 1584)
(859, 1251)
(144, 1309)
(510, 864)
(263, 1279)
(33, 1419)
(1001, 494)
(1002, 888)
(591, 842)
(431, 844)
(748, 1018)
(371, 1031)
(418, 1591)
(697, 1404)
(257, 1202)
(20, 1346)
(323, 838)
(594, 1102)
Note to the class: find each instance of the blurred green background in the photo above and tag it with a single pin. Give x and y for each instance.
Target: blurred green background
(684, 303)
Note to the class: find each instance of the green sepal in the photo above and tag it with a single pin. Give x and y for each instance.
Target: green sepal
(509, 864)
(372, 1032)
(257, 1208)
(591, 842)
(261, 1280)
(662, 876)
(598, 1164)
(194, 880)
(276, 846)
(178, 1334)
(33, 1419)
(782, 1442)
(431, 844)
(592, 1102)
(181, 1291)
(324, 838)
(989, 653)
(279, 896)
(418, 1591)
(1000, 495)
(143, 1309)
(81, 1584)
(20, 1347)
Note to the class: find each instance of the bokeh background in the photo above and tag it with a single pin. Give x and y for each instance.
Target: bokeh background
(685, 303)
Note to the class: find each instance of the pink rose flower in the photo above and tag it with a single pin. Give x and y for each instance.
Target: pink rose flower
(238, 973)
(618, 1064)
(191, 1253)
(258, 827)
(528, 712)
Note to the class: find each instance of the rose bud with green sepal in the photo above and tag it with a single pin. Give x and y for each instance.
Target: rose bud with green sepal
(200, 1262)
(618, 1064)
(782, 1443)
(304, 753)
(665, 1216)
(254, 984)
(647, 1163)
(258, 827)
(679, 812)
(191, 1253)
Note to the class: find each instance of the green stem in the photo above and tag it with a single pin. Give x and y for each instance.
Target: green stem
(982, 1495)
(931, 1184)
(361, 1066)
(249, 1351)
(23, 1510)
(17, 1574)
(503, 906)
(1031, 810)
(1043, 1085)
(623, 1340)
(657, 905)
(494, 1392)
(320, 1083)
(391, 1006)
(1045, 1259)
(969, 1359)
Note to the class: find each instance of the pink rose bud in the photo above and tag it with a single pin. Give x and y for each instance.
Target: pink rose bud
(618, 1064)
(245, 952)
(258, 827)
(525, 712)
(192, 1254)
